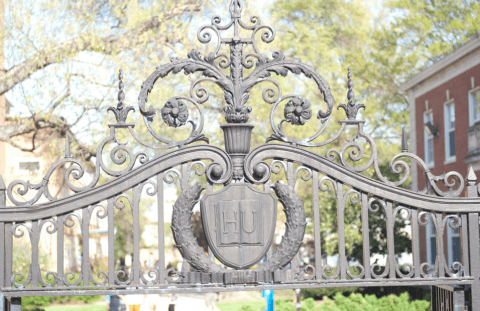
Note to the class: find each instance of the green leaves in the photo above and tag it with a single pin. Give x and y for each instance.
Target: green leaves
(357, 302)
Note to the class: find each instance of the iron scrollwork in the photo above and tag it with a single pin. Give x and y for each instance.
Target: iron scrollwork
(240, 169)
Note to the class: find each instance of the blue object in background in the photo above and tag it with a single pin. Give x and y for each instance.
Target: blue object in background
(114, 303)
(268, 294)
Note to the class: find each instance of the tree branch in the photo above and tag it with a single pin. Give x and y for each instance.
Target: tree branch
(108, 45)
(26, 126)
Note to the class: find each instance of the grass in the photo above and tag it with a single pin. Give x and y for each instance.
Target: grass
(237, 306)
(76, 308)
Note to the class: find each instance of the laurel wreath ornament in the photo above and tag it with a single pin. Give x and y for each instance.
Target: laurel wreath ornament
(196, 257)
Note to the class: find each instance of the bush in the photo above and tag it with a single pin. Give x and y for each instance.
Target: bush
(41, 301)
(33, 303)
(415, 293)
(358, 302)
(319, 293)
(82, 299)
(284, 305)
(308, 305)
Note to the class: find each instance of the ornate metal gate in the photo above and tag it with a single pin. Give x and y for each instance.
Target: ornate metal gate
(239, 204)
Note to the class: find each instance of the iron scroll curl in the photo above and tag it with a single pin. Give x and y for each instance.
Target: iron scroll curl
(217, 172)
(258, 171)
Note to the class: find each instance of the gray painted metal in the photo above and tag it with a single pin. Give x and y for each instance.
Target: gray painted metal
(240, 184)
(239, 223)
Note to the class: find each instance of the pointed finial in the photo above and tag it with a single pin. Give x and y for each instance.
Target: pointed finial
(350, 93)
(236, 8)
(351, 109)
(3, 198)
(121, 95)
(68, 154)
(404, 141)
(471, 177)
(120, 112)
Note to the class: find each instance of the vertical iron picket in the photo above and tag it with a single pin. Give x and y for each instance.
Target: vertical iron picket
(392, 262)
(136, 267)
(161, 230)
(85, 247)
(366, 236)
(2, 254)
(111, 241)
(439, 243)
(474, 239)
(342, 263)
(316, 226)
(34, 240)
(8, 254)
(464, 245)
(60, 250)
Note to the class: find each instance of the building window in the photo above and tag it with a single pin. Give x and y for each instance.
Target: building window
(474, 106)
(453, 241)
(449, 113)
(28, 166)
(428, 140)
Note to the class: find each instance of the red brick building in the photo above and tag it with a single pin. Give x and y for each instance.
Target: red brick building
(444, 103)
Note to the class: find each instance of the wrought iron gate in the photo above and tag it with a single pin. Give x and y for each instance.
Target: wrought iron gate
(239, 202)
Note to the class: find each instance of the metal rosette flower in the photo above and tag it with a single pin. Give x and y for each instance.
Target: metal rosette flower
(297, 111)
(175, 113)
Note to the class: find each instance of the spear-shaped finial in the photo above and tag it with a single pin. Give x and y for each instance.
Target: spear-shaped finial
(121, 95)
(404, 141)
(351, 109)
(68, 154)
(350, 93)
(120, 112)
(471, 177)
(3, 198)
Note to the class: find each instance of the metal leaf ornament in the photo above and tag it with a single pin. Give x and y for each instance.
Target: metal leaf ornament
(298, 111)
(175, 113)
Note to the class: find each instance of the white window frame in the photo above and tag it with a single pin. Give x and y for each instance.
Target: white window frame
(430, 232)
(471, 106)
(427, 137)
(450, 235)
(446, 121)
(19, 171)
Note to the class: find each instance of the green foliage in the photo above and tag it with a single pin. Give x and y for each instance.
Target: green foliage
(247, 308)
(308, 304)
(33, 303)
(358, 302)
(242, 306)
(284, 305)
(79, 299)
(415, 293)
(319, 293)
(40, 301)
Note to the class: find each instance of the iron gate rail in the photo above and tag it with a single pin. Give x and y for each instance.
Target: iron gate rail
(239, 187)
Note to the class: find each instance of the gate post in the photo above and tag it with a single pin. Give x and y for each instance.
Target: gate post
(474, 240)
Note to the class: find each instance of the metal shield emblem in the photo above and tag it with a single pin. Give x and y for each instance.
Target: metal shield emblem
(239, 223)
